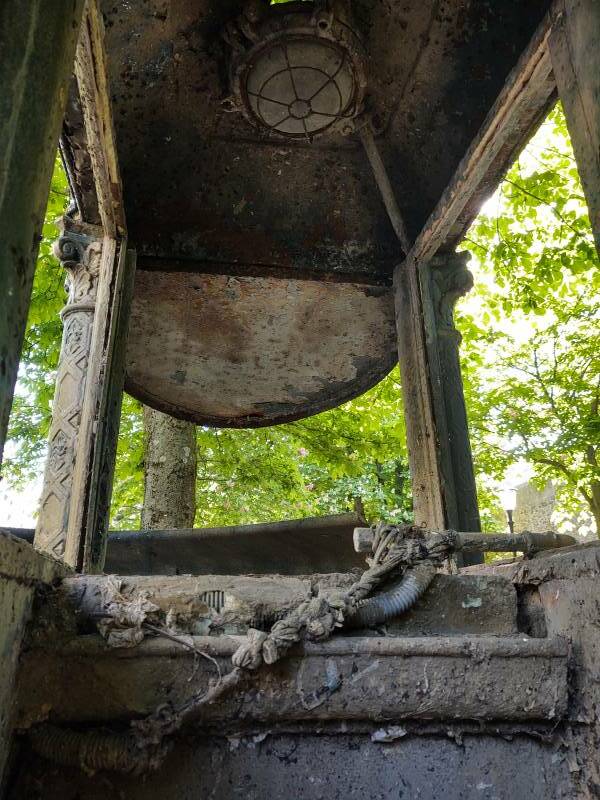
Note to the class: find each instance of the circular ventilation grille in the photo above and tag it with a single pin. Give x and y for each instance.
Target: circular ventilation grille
(297, 69)
(300, 86)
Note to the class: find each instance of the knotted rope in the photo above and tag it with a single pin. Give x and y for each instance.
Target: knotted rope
(396, 551)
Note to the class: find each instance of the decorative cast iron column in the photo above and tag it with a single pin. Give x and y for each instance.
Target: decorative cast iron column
(79, 250)
(451, 280)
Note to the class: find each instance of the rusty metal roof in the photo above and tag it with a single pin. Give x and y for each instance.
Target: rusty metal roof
(263, 290)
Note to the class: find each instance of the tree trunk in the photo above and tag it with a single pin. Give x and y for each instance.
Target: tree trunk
(169, 472)
(593, 497)
(595, 505)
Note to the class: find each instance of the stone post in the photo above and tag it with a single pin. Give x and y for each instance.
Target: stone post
(79, 250)
(451, 280)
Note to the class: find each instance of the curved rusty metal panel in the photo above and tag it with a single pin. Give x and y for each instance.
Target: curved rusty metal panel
(253, 351)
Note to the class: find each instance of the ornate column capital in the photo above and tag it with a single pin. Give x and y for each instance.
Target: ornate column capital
(79, 251)
(451, 280)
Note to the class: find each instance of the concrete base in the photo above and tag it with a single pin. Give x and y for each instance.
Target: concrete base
(455, 717)
(460, 605)
(327, 767)
(21, 570)
(345, 678)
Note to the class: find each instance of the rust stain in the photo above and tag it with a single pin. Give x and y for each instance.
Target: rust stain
(251, 350)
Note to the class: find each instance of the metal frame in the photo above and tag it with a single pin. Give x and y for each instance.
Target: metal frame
(74, 524)
(528, 92)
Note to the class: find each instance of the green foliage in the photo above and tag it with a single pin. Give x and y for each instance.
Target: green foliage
(32, 407)
(315, 466)
(531, 362)
(529, 357)
(128, 485)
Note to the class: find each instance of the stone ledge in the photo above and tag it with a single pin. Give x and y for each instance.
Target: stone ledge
(453, 605)
(22, 569)
(376, 679)
(565, 563)
(20, 562)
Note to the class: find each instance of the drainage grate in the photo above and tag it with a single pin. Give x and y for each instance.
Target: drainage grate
(214, 599)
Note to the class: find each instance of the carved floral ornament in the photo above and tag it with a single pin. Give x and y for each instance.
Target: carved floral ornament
(451, 280)
(80, 255)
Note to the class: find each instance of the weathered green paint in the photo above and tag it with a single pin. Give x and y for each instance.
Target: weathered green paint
(443, 480)
(449, 279)
(106, 427)
(37, 51)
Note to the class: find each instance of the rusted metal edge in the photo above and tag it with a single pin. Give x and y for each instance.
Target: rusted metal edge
(253, 270)
(315, 525)
(346, 391)
(527, 92)
(324, 525)
(92, 81)
(312, 544)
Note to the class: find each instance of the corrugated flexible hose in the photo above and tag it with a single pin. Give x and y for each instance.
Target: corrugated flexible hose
(379, 609)
(97, 750)
(92, 750)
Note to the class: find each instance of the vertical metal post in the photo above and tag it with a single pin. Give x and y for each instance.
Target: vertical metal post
(439, 451)
(575, 53)
(37, 51)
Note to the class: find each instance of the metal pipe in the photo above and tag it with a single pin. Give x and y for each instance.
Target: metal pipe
(383, 182)
(382, 607)
(525, 542)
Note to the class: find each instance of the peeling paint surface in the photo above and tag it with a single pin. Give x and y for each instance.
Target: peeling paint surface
(247, 351)
(203, 183)
(205, 191)
(472, 602)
